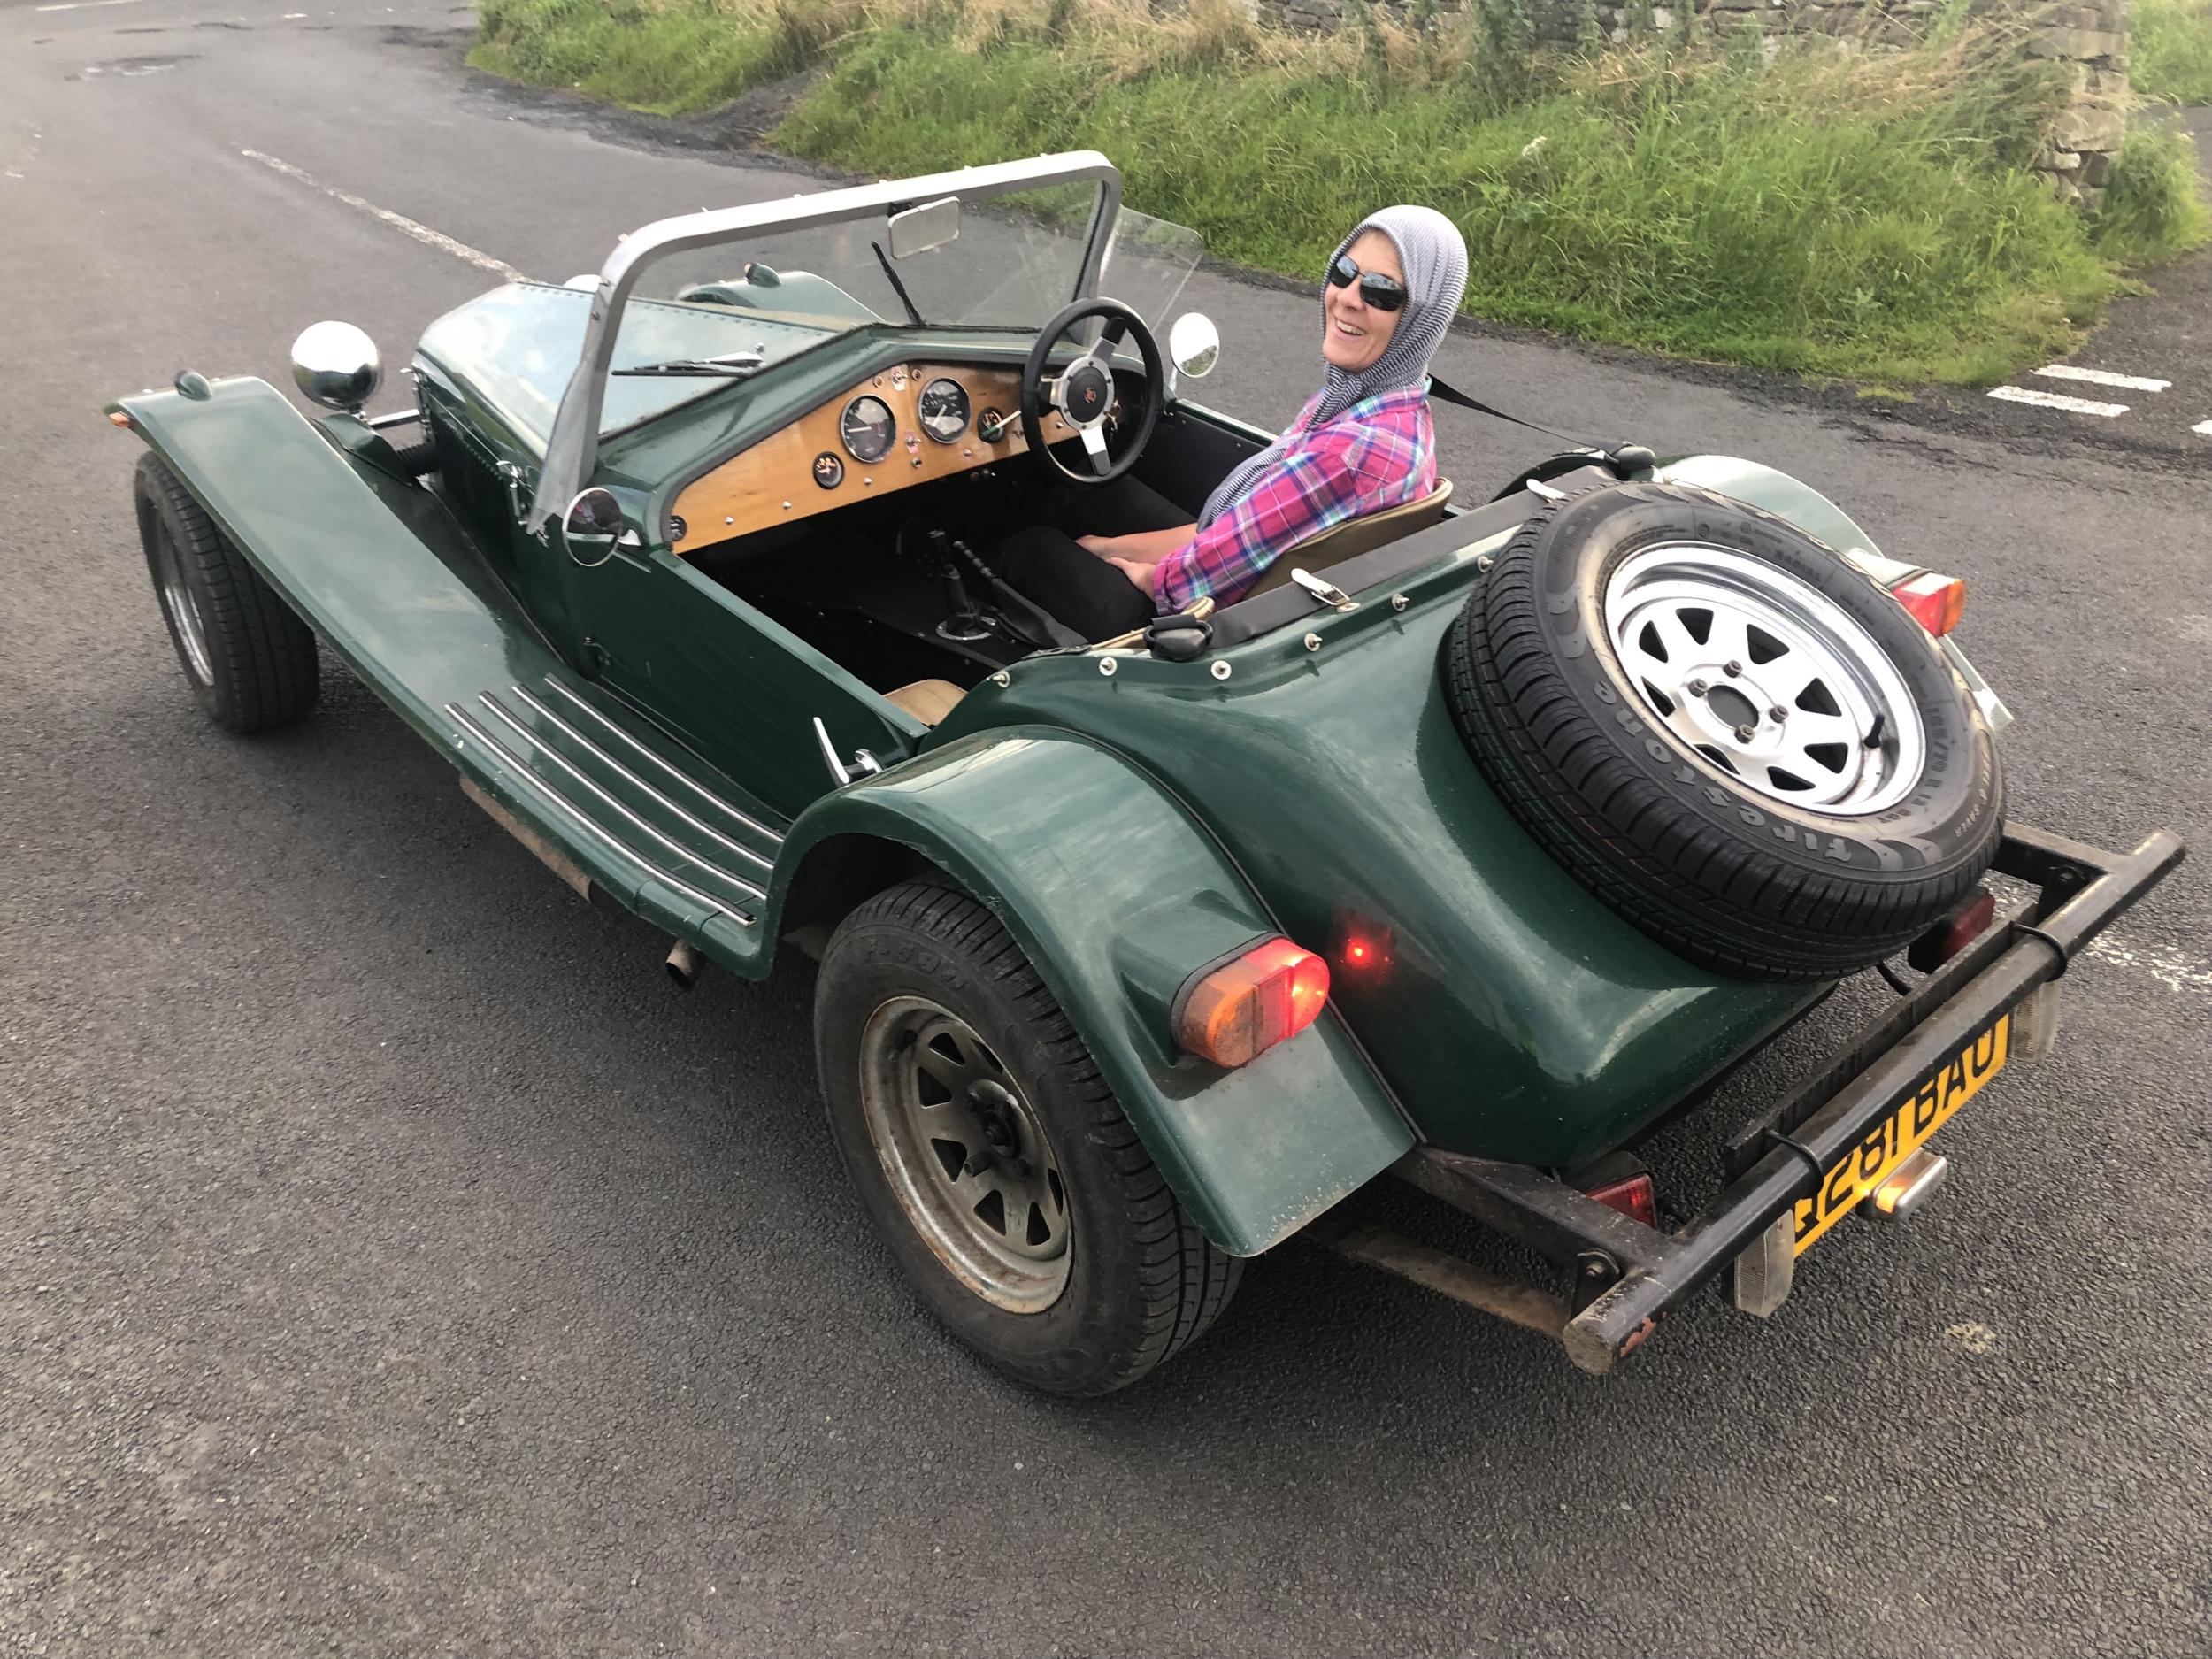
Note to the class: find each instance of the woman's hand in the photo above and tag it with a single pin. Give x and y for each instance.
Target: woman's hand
(1141, 547)
(1137, 570)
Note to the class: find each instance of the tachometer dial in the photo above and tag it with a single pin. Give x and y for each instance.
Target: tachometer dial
(867, 429)
(943, 408)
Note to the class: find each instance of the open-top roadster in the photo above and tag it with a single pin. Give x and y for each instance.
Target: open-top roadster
(1471, 845)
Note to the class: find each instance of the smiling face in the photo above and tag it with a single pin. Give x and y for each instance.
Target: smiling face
(1353, 333)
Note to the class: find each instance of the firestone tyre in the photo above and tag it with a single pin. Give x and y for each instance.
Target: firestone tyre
(1728, 735)
(991, 1157)
(250, 661)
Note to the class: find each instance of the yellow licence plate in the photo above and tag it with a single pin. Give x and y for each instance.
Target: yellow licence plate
(1890, 1142)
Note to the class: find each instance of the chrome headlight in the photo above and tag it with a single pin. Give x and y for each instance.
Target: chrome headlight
(337, 365)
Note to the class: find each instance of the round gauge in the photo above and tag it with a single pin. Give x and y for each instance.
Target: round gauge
(829, 472)
(867, 428)
(943, 407)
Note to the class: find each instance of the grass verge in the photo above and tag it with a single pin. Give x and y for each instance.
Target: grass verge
(2172, 51)
(1869, 216)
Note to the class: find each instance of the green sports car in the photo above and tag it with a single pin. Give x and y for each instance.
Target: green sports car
(1475, 842)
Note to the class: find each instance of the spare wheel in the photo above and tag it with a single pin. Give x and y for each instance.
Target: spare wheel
(1725, 732)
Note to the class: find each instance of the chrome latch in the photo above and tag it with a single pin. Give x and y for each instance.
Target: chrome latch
(518, 483)
(1327, 591)
(862, 764)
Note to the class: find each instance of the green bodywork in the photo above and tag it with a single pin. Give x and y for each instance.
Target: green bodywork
(1131, 827)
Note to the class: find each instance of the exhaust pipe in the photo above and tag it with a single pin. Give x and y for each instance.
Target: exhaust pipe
(685, 963)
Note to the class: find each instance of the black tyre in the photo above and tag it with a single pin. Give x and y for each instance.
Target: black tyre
(1723, 731)
(991, 1156)
(249, 660)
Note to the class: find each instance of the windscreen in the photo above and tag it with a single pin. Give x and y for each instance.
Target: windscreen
(1018, 258)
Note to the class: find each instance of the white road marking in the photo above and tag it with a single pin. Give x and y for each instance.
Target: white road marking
(2102, 377)
(397, 221)
(2204, 426)
(2057, 400)
(83, 6)
(2177, 969)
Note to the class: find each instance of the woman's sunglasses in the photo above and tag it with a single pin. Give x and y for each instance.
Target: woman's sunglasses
(1385, 293)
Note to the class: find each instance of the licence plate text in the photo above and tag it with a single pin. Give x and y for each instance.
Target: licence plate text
(1890, 1142)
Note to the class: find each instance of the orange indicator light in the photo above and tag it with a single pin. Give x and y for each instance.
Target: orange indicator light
(1244, 1008)
(1937, 603)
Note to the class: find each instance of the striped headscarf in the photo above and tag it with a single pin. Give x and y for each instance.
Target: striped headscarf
(1434, 256)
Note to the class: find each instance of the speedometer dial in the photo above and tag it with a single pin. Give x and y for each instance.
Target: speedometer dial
(867, 428)
(943, 408)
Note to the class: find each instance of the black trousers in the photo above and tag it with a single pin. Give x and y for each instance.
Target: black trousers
(1046, 562)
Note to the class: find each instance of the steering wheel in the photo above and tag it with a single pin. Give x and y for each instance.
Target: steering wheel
(1082, 393)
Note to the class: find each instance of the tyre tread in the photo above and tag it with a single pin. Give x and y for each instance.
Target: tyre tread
(1183, 1280)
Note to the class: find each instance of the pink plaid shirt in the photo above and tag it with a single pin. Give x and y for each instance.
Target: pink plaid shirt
(1380, 452)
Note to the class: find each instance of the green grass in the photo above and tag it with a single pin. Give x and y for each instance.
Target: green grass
(1869, 217)
(669, 58)
(2171, 52)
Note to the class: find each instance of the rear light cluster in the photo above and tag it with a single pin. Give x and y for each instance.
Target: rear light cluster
(1967, 921)
(1634, 1196)
(1936, 602)
(1233, 1013)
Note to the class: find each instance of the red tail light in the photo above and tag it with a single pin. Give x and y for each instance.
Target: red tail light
(1238, 1010)
(1961, 928)
(1937, 603)
(1634, 1198)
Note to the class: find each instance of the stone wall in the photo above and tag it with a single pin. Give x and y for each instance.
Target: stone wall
(2090, 39)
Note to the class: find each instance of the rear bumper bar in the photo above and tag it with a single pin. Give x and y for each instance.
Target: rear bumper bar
(1627, 1275)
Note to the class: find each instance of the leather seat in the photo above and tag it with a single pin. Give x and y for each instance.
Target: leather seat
(928, 701)
(1355, 537)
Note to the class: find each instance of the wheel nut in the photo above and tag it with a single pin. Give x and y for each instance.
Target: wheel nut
(1745, 733)
(1731, 668)
(1777, 712)
(1696, 687)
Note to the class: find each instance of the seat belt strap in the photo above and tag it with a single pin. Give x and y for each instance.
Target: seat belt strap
(1452, 394)
(1621, 459)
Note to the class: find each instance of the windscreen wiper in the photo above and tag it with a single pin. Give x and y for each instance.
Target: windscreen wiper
(899, 287)
(737, 364)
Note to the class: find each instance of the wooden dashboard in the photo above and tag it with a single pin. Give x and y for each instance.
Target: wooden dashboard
(809, 468)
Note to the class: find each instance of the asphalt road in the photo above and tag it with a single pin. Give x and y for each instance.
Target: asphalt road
(391, 1263)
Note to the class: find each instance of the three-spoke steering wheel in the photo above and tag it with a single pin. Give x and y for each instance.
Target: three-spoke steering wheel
(1082, 393)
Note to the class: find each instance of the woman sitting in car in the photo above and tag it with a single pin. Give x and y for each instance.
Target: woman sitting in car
(1364, 443)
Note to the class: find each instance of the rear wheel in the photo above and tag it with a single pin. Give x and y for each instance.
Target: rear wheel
(250, 661)
(992, 1157)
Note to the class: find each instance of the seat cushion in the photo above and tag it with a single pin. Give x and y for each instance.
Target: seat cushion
(928, 701)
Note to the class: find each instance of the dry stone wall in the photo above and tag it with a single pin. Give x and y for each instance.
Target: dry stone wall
(2089, 40)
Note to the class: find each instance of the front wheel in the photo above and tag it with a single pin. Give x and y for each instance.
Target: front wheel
(991, 1156)
(250, 661)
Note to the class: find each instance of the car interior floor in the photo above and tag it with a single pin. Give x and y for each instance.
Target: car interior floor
(869, 585)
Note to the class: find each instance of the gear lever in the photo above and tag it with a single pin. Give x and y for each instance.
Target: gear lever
(965, 624)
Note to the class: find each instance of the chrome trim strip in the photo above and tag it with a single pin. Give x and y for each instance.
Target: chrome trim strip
(562, 761)
(704, 828)
(516, 766)
(399, 419)
(572, 446)
(685, 779)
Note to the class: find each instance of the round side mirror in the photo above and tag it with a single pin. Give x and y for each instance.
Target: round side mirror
(1194, 344)
(592, 527)
(337, 365)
